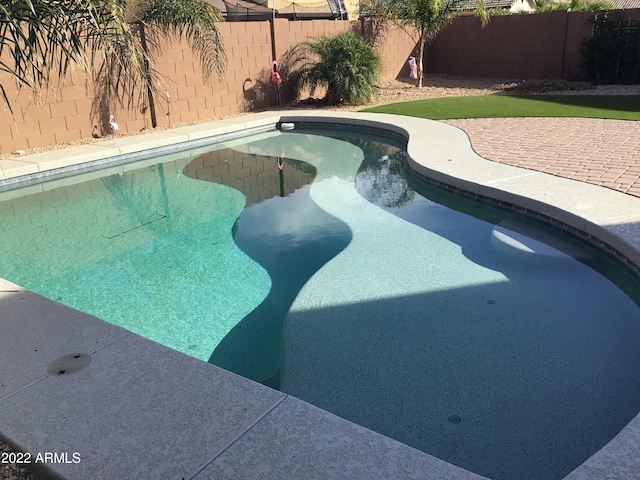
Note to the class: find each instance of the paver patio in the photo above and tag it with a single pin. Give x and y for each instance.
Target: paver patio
(598, 151)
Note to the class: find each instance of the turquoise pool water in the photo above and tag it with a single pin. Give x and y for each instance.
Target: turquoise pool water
(342, 280)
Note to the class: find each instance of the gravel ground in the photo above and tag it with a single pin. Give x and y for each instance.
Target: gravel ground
(435, 85)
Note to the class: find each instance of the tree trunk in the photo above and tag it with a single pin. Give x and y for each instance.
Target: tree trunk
(421, 60)
(147, 79)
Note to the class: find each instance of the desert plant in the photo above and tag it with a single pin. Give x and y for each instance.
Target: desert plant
(345, 65)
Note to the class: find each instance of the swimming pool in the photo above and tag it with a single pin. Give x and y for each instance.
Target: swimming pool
(460, 330)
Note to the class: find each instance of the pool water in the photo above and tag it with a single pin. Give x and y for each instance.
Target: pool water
(315, 263)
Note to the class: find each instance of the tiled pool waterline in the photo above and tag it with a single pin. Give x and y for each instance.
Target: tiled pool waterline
(162, 415)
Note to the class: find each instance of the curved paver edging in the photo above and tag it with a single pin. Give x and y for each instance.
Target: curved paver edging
(593, 150)
(439, 152)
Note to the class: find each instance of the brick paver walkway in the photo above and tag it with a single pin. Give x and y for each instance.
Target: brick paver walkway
(602, 152)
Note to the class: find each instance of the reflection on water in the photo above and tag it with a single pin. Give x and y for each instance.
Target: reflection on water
(259, 177)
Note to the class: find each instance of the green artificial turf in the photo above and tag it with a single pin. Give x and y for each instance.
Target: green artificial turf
(618, 107)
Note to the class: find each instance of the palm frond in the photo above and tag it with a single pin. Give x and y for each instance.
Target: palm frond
(427, 17)
(41, 39)
(123, 66)
(194, 19)
(39, 36)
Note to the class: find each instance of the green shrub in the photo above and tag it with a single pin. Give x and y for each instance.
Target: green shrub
(498, 11)
(612, 54)
(344, 64)
(544, 6)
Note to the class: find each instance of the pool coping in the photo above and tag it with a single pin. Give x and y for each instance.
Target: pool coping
(439, 152)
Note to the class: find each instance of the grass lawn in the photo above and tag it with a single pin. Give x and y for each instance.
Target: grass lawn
(618, 107)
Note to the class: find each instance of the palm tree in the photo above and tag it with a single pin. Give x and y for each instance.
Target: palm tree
(428, 17)
(111, 41)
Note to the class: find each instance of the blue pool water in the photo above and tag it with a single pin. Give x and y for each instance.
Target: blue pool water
(341, 279)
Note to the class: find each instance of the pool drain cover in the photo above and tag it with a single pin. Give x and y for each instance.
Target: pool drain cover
(69, 364)
(455, 419)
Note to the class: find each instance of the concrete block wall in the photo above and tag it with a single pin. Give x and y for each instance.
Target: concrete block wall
(59, 118)
(248, 48)
(578, 27)
(533, 46)
(393, 44)
(288, 34)
(71, 112)
(186, 97)
(514, 46)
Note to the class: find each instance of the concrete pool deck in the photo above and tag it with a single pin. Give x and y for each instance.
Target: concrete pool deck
(131, 408)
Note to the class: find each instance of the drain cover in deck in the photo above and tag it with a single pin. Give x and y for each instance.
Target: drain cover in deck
(69, 364)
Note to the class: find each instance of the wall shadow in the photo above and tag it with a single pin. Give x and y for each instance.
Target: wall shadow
(261, 92)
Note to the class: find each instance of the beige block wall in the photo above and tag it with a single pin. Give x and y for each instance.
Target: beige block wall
(256, 176)
(71, 112)
(37, 124)
(393, 44)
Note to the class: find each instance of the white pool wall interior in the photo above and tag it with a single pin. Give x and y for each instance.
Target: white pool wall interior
(141, 410)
